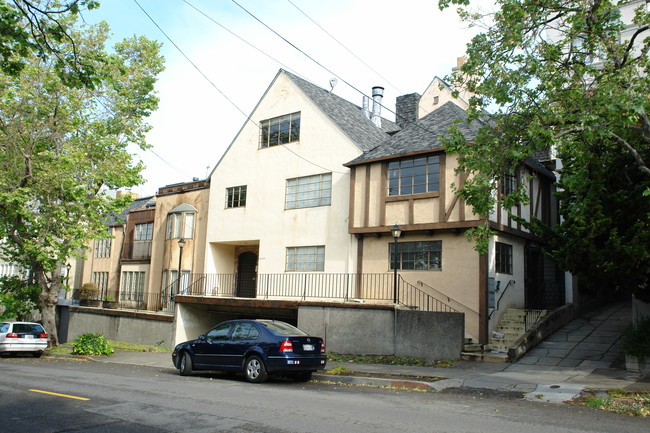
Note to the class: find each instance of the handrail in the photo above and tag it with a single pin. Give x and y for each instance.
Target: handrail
(449, 298)
(411, 296)
(511, 282)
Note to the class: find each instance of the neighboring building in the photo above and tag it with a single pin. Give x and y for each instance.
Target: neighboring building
(104, 258)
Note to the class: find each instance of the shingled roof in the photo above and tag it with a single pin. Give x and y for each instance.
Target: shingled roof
(347, 116)
(423, 135)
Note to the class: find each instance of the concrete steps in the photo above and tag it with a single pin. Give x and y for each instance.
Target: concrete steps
(511, 326)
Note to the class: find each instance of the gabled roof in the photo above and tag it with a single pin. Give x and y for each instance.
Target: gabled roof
(346, 115)
(423, 135)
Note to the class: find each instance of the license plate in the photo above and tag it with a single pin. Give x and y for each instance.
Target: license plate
(308, 347)
(28, 336)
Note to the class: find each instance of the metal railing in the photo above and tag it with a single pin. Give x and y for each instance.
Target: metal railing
(447, 300)
(136, 250)
(127, 300)
(510, 283)
(290, 286)
(294, 285)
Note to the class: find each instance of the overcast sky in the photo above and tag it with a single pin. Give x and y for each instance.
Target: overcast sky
(400, 45)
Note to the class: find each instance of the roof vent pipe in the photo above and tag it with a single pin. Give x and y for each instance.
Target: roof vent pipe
(377, 95)
(366, 106)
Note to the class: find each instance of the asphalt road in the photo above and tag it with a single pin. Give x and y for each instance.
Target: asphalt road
(65, 395)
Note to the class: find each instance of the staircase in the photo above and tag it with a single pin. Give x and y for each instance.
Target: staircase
(511, 326)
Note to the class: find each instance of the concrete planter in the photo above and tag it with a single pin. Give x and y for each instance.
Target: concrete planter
(634, 365)
(110, 305)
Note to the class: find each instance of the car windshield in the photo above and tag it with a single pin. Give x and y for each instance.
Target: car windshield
(281, 328)
(27, 327)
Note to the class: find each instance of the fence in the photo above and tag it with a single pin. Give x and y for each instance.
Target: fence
(296, 286)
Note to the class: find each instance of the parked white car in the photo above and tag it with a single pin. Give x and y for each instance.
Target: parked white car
(22, 337)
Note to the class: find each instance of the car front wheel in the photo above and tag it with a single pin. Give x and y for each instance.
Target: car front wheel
(185, 367)
(254, 369)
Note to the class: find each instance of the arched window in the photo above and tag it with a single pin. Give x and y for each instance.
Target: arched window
(180, 222)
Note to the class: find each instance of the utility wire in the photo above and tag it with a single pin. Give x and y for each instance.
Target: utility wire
(248, 118)
(345, 48)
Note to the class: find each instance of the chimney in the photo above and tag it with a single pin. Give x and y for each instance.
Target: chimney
(406, 108)
(377, 95)
(366, 106)
(460, 61)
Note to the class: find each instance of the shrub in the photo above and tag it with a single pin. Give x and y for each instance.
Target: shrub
(91, 344)
(637, 339)
(89, 291)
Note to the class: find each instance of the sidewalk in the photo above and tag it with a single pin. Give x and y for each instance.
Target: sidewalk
(586, 353)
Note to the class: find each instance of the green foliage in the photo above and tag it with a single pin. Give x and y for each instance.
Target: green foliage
(91, 344)
(36, 29)
(89, 291)
(621, 402)
(62, 146)
(557, 75)
(637, 340)
(18, 298)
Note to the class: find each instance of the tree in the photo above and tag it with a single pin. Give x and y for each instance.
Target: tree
(62, 147)
(566, 76)
(18, 298)
(37, 28)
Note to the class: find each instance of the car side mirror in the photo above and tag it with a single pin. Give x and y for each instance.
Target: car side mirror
(202, 337)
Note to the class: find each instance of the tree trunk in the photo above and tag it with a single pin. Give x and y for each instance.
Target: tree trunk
(48, 300)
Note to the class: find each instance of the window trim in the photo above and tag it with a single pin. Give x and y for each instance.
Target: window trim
(301, 251)
(267, 124)
(397, 194)
(401, 247)
(239, 191)
(174, 230)
(322, 199)
(501, 266)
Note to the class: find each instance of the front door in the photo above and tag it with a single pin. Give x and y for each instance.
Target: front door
(247, 275)
(534, 277)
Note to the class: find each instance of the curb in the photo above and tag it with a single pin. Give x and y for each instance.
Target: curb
(375, 381)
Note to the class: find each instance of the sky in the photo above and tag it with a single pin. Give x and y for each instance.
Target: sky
(213, 80)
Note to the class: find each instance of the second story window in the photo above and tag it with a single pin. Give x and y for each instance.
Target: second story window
(305, 259)
(508, 184)
(144, 232)
(180, 222)
(309, 191)
(236, 196)
(414, 175)
(103, 247)
(280, 130)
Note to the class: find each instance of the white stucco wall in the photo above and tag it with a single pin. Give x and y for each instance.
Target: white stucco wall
(264, 221)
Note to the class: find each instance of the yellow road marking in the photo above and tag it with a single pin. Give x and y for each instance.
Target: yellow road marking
(58, 395)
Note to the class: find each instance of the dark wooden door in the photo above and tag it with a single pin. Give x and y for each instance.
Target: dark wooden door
(247, 275)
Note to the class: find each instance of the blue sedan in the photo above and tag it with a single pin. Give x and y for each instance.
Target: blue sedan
(256, 348)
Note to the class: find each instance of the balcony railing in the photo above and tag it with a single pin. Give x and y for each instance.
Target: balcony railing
(139, 250)
(128, 300)
(369, 288)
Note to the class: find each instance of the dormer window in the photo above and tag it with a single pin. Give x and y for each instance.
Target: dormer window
(280, 130)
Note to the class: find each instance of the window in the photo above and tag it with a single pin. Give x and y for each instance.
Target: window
(280, 130)
(414, 175)
(419, 256)
(236, 196)
(309, 191)
(132, 285)
(245, 331)
(508, 183)
(220, 332)
(103, 247)
(179, 225)
(306, 258)
(503, 258)
(144, 232)
(171, 283)
(101, 279)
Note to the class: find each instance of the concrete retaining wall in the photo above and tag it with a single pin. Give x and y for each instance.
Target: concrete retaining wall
(429, 335)
(133, 328)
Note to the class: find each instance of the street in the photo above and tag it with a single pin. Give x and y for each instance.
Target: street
(43, 395)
